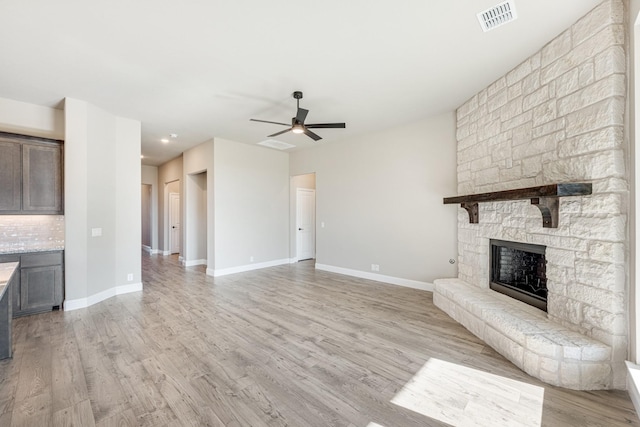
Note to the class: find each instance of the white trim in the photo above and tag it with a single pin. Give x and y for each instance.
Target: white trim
(195, 262)
(248, 267)
(75, 304)
(633, 380)
(293, 260)
(150, 251)
(165, 253)
(407, 283)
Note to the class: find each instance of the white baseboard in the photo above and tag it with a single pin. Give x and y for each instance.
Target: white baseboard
(633, 382)
(165, 253)
(407, 283)
(293, 260)
(75, 304)
(248, 267)
(150, 251)
(193, 262)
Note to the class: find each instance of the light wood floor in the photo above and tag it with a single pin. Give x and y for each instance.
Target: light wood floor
(281, 346)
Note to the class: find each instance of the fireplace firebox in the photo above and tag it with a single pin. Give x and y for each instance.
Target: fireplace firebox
(519, 271)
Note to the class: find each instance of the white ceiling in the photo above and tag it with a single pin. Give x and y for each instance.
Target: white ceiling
(203, 68)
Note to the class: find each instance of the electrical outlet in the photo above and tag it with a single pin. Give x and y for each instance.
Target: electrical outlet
(96, 232)
(250, 259)
(130, 277)
(375, 267)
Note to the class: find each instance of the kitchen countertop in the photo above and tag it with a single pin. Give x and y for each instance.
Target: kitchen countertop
(6, 271)
(29, 249)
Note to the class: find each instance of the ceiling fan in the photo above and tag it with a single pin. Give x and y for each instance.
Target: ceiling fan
(297, 122)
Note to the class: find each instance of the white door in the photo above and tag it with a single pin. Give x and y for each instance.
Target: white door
(174, 222)
(306, 223)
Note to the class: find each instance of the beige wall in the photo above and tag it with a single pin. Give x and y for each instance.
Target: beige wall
(380, 197)
(29, 119)
(251, 204)
(150, 177)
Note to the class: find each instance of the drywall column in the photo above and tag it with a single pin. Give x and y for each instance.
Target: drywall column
(102, 205)
(75, 200)
(128, 231)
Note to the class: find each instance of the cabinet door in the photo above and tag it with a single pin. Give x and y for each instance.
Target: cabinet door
(40, 288)
(41, 178)
(10, 176)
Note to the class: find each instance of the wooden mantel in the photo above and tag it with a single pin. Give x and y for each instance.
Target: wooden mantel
(545, 197)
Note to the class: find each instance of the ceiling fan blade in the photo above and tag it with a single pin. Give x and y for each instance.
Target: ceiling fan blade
(301, 115)
(311, 135)
(326, 125)
(266, 121)
(279, 133)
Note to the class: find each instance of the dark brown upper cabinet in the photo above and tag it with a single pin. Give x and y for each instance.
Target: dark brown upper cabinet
(30, 175)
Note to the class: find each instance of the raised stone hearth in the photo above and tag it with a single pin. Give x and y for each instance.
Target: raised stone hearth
(525, 336)
(558, 117)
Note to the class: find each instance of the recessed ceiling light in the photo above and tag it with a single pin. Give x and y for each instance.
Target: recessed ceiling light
(165, 140)
(142, 156)
(173, 135)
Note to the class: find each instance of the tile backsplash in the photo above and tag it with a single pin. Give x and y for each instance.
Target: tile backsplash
(20, 233)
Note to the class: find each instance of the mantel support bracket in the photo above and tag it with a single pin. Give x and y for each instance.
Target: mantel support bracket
(472, 210)
(549, 207)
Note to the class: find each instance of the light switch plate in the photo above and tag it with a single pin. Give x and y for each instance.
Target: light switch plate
(96, 232)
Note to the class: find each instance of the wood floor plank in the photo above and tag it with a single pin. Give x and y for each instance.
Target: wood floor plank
(79, 414)
(283, 346)
(69, 385)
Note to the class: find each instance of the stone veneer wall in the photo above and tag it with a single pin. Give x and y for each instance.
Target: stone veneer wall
(557, 117)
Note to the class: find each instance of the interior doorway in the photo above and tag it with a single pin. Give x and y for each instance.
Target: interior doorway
(305, 223)
(146, 218)
(174, 223)
(195, 220)
(172, 237)
(303, 217)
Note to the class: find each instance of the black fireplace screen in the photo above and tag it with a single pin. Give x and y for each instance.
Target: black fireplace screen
(519, 270)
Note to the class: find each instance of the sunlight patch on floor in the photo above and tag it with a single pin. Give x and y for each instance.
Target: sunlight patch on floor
(462, 396)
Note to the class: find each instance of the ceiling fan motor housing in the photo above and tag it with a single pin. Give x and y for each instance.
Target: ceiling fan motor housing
(297, 122)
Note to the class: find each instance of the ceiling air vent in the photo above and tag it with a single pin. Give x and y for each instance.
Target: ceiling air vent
(498, 15)
(278, 145)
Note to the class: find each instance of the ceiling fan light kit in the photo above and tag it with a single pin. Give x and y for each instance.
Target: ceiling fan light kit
(298, 125)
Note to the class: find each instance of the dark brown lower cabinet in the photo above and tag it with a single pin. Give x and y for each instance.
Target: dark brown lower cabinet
(40, 285)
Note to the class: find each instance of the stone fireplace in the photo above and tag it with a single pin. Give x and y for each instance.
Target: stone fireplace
(558, 117)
